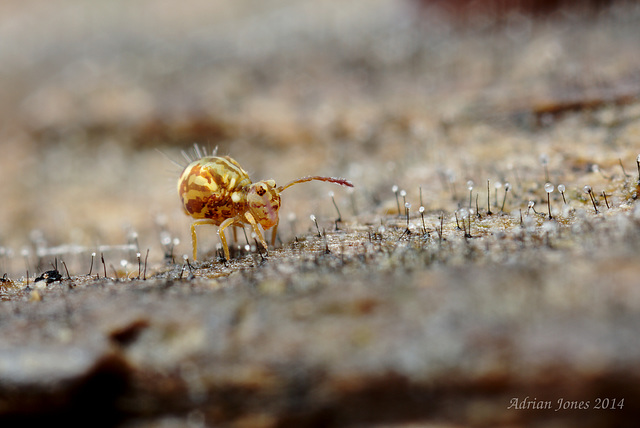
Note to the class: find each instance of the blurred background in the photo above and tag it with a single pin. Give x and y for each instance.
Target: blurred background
(97, 98)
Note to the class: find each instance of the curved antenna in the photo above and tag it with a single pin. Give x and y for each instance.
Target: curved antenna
(336, 180)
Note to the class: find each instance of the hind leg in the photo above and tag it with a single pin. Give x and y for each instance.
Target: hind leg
(228, 222)
(194, 238)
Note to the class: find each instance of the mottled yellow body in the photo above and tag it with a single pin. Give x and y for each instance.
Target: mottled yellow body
(216, 190)
(213, 187)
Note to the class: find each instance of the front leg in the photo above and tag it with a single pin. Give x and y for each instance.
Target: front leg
(253, 223)
(274, 231)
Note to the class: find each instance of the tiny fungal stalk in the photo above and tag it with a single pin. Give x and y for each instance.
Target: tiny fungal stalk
(561, 189)
(549, 189)
(488, 199)
(589, 191)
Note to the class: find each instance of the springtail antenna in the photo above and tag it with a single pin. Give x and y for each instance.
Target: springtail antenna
(340, 181)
